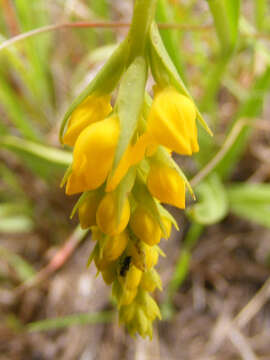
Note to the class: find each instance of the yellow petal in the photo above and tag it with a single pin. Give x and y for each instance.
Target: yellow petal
(171, 121)
(144, 226)
(115, 246)
(87, 211)
(165, 184)
(94, 108)
(133, 155)
(107, 216)
(93, 155)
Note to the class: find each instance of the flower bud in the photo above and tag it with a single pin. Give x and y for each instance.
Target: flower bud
(132, 278)
(151, 280)
(109, 273)
(107, 215)
(144, 226)
(132, 156)
(115, 246)
(144, 257)
(101, 263)
(149, 305)
(141, 322)
(127, 296)
(171, 121)
(93, 155)
(126, 313)
(94, 108)
(87, 210)
(165, 184)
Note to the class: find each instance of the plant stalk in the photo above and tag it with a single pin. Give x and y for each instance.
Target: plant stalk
(143, 15)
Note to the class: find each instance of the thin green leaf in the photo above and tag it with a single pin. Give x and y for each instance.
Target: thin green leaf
(144, 197)
(123, 189)
(70, 320)
(52, 155)
(129, 105)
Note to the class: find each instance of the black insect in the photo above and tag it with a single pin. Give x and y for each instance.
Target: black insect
(125, 265)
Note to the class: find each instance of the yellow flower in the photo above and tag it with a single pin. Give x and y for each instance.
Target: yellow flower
(132, 278)
(115, 246)
(141, 322)
(107, 215)
(144, 257)
(87, 211)
(126, 313)
(133, 155)
(93, 155)
(101, 263)
(127, 296)
(165, 184)
(172, 121)
(150, 280)
(94, 108)
(144, 226)
(109, 273)
(150, 307)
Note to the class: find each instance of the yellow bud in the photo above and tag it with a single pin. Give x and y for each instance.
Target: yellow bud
(94, 108)
(144, 257)
(150, 307)
(150, 280)
(133, 155)
(144, 226)
(115, 246)
(141, 322)
(126, 313)
(171, 121)
(87, 210)
(93, 155)
(128, 295)
(132, 278)
(101, 263)
(107, 215)
(109, 273)
(165, 184)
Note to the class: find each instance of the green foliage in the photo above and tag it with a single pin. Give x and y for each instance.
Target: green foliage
(212, 205)
(251, 201)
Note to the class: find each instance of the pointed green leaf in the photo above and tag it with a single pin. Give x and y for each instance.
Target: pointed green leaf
(123, 189)
(144, 197)
(129, 104)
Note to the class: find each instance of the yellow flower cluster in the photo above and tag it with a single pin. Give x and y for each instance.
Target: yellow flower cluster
(126, 229)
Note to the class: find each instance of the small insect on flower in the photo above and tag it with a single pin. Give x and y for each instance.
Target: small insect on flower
(125, 266)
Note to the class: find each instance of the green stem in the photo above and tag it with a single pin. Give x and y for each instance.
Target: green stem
(143, 15)
(222, 24)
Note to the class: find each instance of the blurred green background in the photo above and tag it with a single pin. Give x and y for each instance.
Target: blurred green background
(216, 290)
